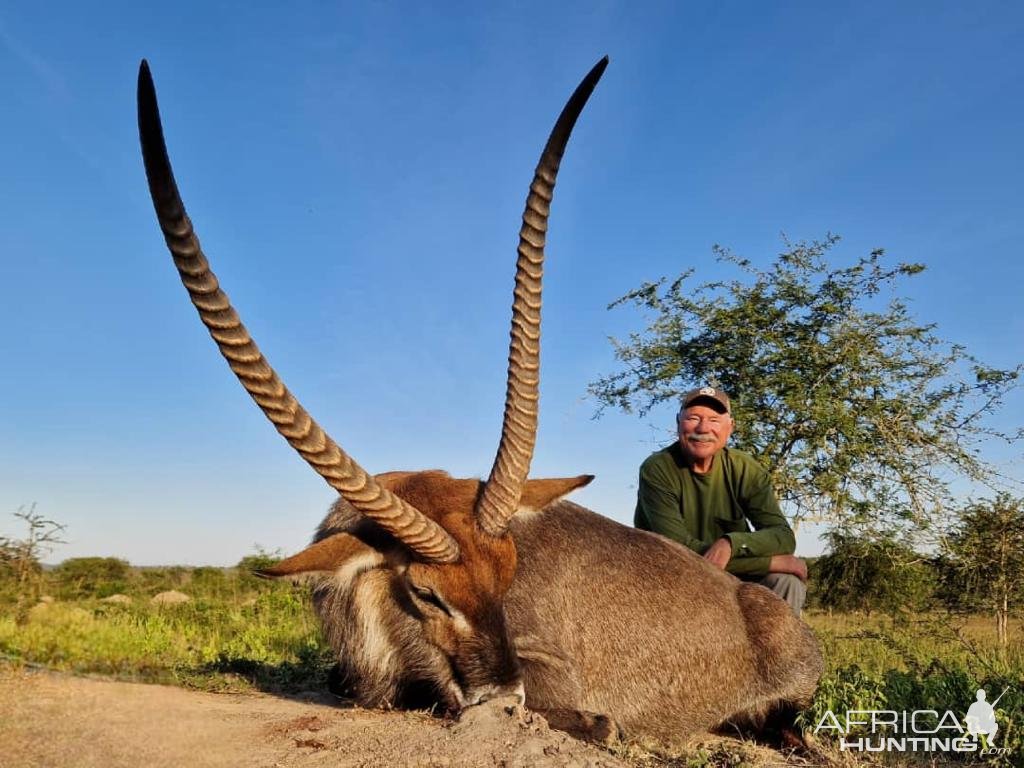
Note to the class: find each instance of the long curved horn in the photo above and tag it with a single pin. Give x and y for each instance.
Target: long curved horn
(418, 532)
(500, 497)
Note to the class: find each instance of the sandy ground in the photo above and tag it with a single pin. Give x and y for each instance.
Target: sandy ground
(49, 719)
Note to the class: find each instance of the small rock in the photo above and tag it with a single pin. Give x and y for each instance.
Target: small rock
(171, 597)
(118, 599)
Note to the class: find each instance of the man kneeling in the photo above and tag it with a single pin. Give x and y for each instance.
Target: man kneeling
(702, 494)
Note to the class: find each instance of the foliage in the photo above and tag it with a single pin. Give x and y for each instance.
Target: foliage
(152, 579)
(91, 576)
(949, 686)
(872, 573)
(986, 550)
(860, 413)
(21, 572)
(952, 590)
(235, 634)
(19, 558)
(249, 564)
(261, 559)
(927, 663)
(214, 582)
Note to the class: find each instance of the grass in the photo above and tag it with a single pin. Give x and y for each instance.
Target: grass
(239, 633)
(921, 662)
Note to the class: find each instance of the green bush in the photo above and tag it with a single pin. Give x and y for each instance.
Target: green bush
(945, 686)
(211, 583)
(152, 580)
(250, 563)
(91, 577)
(262, 559)
(872, 574)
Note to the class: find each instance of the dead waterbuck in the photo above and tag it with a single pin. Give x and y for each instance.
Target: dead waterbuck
(437, 590)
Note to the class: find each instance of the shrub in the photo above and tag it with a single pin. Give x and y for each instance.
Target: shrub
(92, 577)
(210, 582)
(879, 574)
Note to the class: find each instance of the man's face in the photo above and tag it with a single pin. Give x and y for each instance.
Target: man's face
(703, 432)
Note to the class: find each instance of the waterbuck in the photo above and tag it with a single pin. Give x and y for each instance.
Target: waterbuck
(445, 591)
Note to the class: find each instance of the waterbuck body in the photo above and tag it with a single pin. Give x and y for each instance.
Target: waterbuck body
(625, 623)
(604, 620)
(439, 591)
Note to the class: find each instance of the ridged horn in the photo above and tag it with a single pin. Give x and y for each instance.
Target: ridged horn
(414, 529)
(500, 497)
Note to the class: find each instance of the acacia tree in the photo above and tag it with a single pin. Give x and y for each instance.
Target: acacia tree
(987, 549)
(861, 414)
(21, 557)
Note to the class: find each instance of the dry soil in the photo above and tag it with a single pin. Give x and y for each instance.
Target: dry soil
(51, 719)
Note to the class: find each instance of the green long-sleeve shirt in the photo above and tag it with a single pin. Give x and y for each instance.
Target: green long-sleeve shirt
(696, 510)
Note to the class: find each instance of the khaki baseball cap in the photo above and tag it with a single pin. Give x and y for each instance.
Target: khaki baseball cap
(713, 394)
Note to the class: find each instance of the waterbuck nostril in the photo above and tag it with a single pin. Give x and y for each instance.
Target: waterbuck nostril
(520, 693)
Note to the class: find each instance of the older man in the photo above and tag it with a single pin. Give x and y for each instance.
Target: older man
(706, 496)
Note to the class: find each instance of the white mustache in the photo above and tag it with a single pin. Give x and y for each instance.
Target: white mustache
(701, 438)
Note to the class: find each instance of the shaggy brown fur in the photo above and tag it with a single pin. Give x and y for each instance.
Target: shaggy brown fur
(599, 618)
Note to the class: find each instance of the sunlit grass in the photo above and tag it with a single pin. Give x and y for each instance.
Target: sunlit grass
(918, 662)
(880, 643)
(267, 638)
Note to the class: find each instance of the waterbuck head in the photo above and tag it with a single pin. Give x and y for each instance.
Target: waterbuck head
(410, 567)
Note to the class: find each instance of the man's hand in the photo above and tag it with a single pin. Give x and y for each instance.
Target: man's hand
(788, 564)
(720, 553)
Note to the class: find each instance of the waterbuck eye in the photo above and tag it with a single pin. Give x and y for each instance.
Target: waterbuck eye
(428, 595)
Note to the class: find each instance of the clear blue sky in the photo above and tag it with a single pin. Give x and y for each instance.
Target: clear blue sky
(357, 171)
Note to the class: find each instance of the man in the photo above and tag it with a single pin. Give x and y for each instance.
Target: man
(702, 494)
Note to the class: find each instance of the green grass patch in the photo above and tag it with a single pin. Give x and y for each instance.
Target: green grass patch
(922, 662)
(236, 633)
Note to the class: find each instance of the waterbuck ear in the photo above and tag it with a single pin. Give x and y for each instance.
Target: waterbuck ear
(328, 554)
(541, 493)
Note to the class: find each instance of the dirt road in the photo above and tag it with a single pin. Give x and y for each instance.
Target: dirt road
(49, 719)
